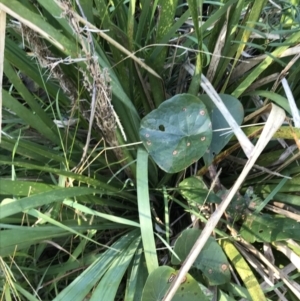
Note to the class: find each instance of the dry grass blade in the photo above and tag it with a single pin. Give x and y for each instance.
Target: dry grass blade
(273, 123)
(2, 43)
(217, 52)
(254, 61)
(258, 167)
(31, 25)
(290, 254)
(261, 82)
(91, 28)
(245, 143)
(258, 112)
(283, 212)
(259, 267)
(292, 285)
(292, 103)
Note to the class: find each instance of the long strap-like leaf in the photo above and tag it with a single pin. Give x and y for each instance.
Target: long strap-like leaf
(145, 210)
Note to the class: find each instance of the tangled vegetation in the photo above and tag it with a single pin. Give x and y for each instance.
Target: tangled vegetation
(149, 150)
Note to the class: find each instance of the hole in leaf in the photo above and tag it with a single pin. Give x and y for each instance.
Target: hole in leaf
(161, 128)
(260, 231)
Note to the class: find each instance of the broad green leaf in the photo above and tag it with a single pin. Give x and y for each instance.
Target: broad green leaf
(221, 130)
(194, 190)
(160, 280)
(269, 228)
(211, 261)
(177, 133)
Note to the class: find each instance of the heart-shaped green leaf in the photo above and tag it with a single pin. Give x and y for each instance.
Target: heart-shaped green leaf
(194, 190)
(212, 261)
(220, 136)
(177, 133)
(160, 280)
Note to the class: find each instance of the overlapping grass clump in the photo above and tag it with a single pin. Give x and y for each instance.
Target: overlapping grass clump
(90, 202)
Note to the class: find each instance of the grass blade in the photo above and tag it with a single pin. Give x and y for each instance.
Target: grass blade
(11, 206)
(243, 270)
(145, 211)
